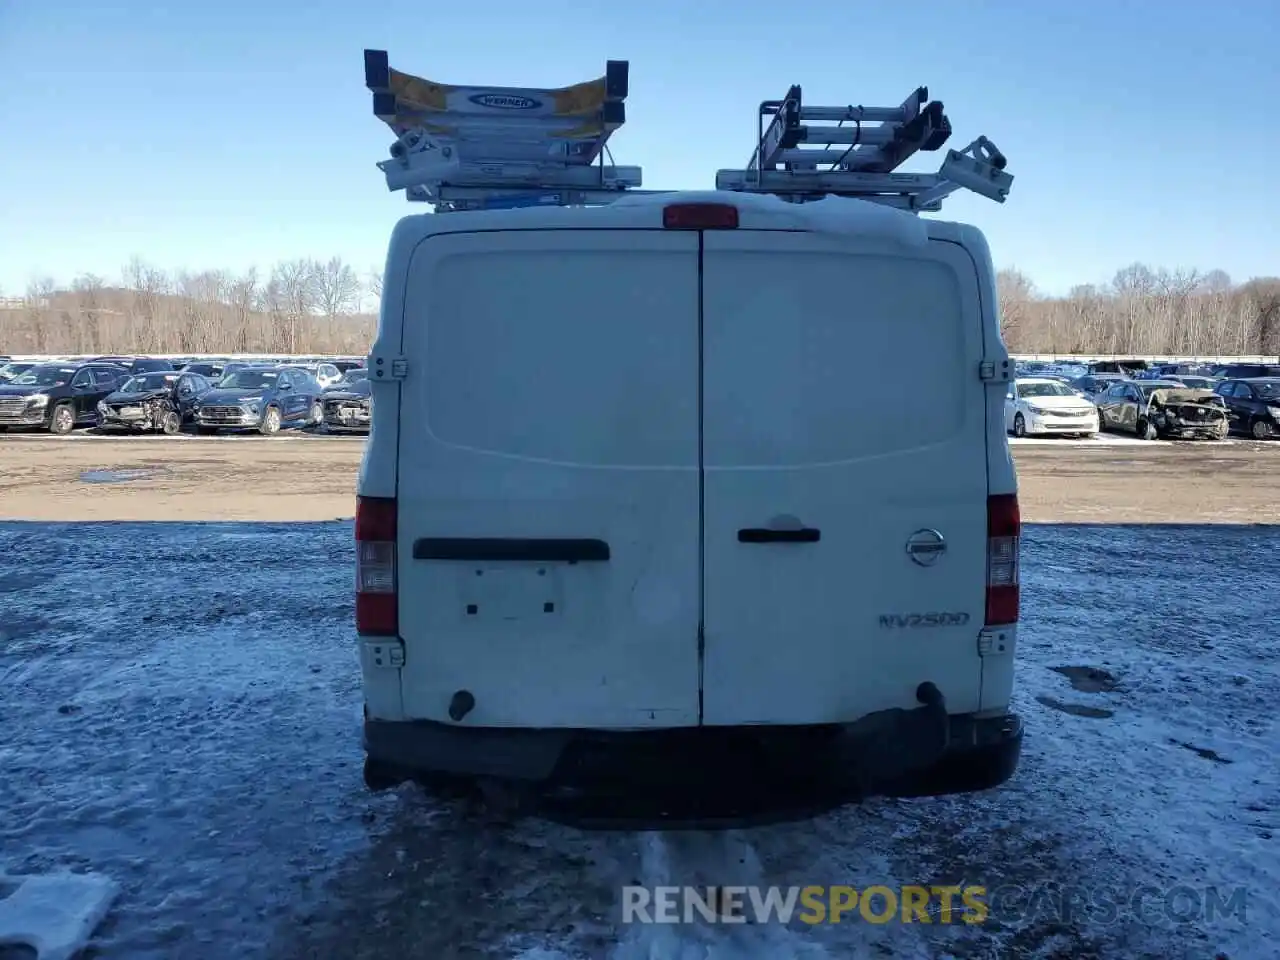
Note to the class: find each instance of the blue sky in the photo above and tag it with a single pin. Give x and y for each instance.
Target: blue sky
(201, 135)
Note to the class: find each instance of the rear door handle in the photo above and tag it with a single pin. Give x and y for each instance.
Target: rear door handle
(767, 535)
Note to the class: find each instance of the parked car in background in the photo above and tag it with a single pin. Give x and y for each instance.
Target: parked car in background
(349, 363)
(266, 399)
(1175, 371)
(213, 369)
(347, 405)
(162, 400)
(1253, 406)
(233, 365)
(351, 375)
(1159, 409)
(13, 368)
(136, 364)
(325, 374)
(1040, 405)
(57, 397)
(1092, 384)
(1194, 382)
(1246, 371)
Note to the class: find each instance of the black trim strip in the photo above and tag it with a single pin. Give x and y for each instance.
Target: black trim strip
(542, 550)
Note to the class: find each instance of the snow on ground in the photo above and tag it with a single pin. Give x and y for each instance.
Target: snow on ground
(181, 709)
(54, 915)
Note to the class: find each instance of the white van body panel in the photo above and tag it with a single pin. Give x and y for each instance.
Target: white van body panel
(559, 364)
(841, 390)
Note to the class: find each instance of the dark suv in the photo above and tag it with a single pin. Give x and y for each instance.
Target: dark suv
(1253, 405)
(1247, 371)
(57, 397)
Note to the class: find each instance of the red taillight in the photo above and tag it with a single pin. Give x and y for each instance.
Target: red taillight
(376, 606)
(700, 216)
(1004, 532)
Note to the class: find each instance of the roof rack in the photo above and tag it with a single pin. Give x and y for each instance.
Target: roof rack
(472, 147)
(488, 147)
(866, 157)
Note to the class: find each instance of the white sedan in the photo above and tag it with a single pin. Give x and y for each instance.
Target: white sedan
(1036, 405)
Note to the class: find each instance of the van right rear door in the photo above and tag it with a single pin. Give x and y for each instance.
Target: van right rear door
(844, 431)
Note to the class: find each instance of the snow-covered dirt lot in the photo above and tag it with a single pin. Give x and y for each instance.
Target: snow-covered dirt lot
(180, 716)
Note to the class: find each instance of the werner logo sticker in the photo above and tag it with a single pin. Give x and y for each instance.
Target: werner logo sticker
(505, 101)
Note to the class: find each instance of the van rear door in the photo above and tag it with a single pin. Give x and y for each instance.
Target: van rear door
(844, 419)
(552, 397)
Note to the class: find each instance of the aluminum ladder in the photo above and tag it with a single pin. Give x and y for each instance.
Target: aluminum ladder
(473, 147)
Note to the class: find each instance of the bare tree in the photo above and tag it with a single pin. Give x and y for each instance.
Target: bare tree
(90, 306)
(1015, 291)
(337, 289)
(37, 304)
(148, 286)
(294, 287)
(373, 286)
(242, 295)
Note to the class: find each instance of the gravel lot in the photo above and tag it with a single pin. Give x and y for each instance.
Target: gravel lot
(301, 477)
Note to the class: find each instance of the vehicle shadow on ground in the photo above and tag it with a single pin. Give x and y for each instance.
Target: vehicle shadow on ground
(1145, 678)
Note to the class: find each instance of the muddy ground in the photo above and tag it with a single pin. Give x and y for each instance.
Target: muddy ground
(303, 477)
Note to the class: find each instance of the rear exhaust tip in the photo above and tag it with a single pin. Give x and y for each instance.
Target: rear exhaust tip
(462, 703)
(928, 694)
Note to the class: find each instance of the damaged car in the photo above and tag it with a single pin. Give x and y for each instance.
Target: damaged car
(348, 403)
(1163, 410)
(161, 401)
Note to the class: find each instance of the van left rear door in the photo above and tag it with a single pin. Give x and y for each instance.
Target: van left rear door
(552, 395)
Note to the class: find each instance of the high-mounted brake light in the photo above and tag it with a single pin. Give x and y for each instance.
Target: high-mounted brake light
(1004, 533)
(700, 216)
(376, 600)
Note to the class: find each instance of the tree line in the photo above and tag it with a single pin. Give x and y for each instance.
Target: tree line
(1144, 312)
(298, 306)
(327, 307)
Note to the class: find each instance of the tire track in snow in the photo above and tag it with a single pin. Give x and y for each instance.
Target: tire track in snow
(703, 860)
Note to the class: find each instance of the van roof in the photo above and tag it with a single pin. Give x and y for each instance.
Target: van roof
(845, 216)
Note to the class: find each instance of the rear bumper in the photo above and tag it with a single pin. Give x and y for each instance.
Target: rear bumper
(343, 426)
(702, 775)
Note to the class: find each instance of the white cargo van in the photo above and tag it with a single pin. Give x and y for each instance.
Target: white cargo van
(685, 469)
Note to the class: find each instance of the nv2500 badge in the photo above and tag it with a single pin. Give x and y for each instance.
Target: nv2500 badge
(897, 621)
